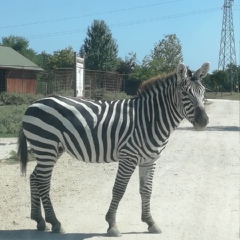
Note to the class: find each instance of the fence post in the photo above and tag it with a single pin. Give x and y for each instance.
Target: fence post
(79, 68)
(75, 74)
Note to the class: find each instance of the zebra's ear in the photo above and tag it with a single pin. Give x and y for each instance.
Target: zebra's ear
(181, 72)
(202, 72)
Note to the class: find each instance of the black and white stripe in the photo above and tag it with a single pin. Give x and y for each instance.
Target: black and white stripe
(132, 132)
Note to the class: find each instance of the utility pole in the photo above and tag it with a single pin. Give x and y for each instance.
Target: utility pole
(227, 53)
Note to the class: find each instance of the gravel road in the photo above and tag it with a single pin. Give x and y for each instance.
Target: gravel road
(195, 191)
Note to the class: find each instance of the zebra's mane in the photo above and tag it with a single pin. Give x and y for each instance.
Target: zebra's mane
(153, 82)
(159, 79)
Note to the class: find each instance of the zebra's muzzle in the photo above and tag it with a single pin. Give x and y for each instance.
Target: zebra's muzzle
(201, 119)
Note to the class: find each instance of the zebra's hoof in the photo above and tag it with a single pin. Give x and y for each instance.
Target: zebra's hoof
(41, 226)
(57, 228)
(154, 229)
(113, 232)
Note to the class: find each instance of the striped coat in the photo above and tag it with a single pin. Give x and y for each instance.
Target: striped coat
(132, 132)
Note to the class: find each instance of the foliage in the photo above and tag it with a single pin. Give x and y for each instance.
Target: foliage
(17, 98)
(21, 45)
(219, 80)
(100, 51)
(43, 60)
(12, 111)
(110, 96)
(11, 118)
(101, 94)
(127, 65)
(233, 71)
(130, 68)
(11, 115)
(66, 93)
(146, 70)
(61, 59)
(166, 54)
(99, 48)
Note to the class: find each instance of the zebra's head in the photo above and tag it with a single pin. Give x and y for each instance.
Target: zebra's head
(191, 92)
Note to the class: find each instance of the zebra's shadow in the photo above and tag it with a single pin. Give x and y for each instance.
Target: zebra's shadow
(214, 128)
(26, 234)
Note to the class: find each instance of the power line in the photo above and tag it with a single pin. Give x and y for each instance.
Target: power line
(166, 17)
(26, 9)
(89, 15)
(127, 23)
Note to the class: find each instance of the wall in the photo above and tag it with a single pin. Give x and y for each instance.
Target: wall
(21, 81)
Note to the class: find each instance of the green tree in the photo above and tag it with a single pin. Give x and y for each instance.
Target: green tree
(166, 54)
(145, 71)
(99, 49)
(237, 87)
(219, 81)
(232, 71)
(60, 59)
(43, 60)
(21, 45)
(127, 65)
(164, 58)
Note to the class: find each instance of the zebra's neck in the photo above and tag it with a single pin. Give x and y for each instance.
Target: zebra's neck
(157, 113)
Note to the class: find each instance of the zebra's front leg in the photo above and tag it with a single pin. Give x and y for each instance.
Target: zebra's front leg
(125, 171)
(36, 203)
(146, 172)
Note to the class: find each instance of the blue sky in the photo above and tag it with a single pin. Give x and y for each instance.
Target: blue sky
(136, 25)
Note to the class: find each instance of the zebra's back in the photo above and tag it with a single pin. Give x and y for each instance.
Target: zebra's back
(88, 130)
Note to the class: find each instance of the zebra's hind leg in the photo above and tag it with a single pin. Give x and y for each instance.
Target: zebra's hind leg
(43, 179)
(36, 204)
(125, 171)
(146, 172)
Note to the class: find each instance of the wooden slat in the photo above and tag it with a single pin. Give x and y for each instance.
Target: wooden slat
(21, 85)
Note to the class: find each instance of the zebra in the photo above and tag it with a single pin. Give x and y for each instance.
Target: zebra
(132, 132)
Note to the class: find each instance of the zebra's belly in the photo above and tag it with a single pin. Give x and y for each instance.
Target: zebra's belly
(141, 155)
(95, 158)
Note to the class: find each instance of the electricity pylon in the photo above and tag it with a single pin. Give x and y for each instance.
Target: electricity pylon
(227, 53)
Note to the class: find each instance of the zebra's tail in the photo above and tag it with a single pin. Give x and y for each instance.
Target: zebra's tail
(22, 151)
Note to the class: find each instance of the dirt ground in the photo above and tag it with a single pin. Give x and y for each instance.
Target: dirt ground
(195, 191)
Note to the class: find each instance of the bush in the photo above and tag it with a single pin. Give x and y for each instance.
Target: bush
(111, 96)
(11, 118)
(18, 98)
(12, 112)
(67, 93)
(99, 94)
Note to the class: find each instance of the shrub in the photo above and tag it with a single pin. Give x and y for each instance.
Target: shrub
(111, 96)
(12, 112)
(18, 98)
(11, 118)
